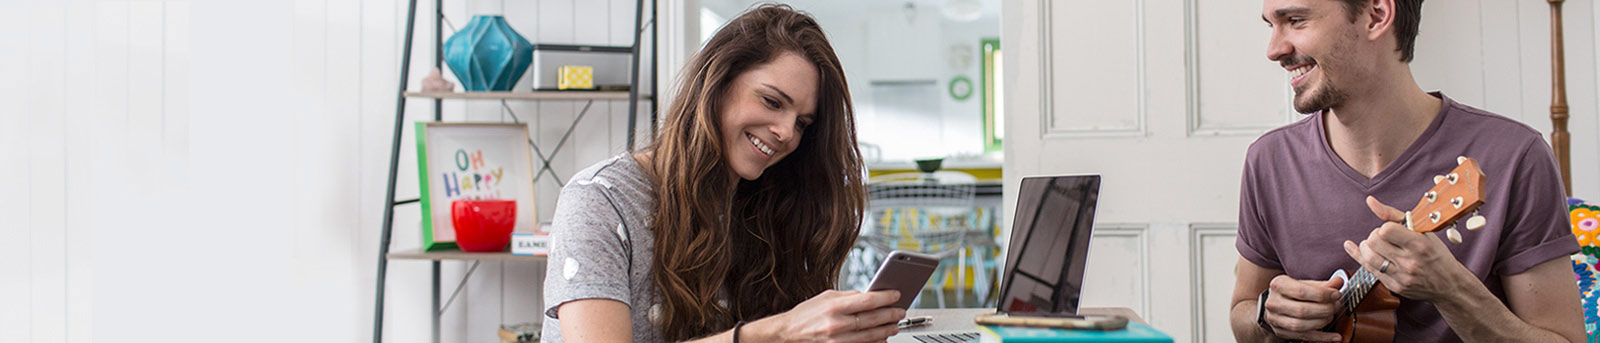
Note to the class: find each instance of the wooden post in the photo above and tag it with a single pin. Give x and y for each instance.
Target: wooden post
(1560, 141)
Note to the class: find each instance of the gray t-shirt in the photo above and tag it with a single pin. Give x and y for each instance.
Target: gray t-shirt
(600, 245)
(1299, 202)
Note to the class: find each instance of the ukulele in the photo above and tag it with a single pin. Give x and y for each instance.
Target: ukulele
(1367, 307)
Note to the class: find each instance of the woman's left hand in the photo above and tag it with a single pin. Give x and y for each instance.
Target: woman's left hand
(834, 316)
(1419, 266)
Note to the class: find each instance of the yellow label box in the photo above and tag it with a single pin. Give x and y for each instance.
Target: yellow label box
(575, 77)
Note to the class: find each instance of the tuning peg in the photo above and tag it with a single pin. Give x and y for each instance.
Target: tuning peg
(1437, 178)
(1476, 222)
(1461, 159)
(1408, 222)
(1455, 236)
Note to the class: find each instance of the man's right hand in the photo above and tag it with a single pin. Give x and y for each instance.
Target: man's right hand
(1299, 309)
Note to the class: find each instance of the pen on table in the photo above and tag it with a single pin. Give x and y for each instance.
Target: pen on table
(916, 321)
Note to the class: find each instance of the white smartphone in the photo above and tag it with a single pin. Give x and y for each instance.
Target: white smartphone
(906, 272)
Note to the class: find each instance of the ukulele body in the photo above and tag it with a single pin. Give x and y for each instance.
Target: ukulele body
(1373, 319)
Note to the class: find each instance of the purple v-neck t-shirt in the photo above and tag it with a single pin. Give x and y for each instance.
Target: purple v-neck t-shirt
(1299, 202)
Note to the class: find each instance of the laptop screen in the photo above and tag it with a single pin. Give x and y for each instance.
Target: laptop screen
(1049, 244)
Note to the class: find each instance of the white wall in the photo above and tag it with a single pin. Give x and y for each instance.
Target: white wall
(188, 171)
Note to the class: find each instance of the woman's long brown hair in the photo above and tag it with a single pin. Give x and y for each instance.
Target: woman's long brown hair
(767, 244)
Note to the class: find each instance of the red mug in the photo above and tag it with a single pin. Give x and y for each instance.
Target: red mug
(483, 225)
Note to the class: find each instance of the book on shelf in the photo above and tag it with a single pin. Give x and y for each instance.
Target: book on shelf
(530, 244)
(520, 333)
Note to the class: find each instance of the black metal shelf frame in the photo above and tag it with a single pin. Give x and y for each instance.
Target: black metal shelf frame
(436, 310)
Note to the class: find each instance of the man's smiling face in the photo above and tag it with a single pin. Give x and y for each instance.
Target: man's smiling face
(1316, 42)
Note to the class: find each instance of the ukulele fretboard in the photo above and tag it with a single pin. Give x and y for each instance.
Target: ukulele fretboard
(1359, 285)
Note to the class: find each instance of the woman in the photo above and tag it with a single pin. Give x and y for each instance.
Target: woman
(732, 226)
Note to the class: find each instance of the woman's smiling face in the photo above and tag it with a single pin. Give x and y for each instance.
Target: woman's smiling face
(766, 111)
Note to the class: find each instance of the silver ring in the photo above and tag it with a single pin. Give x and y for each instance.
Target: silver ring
(1384, 268)
(858, 320)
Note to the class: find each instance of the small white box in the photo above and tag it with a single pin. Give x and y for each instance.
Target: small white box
(530, 244)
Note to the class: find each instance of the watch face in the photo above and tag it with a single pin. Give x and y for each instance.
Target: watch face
(1261, 310)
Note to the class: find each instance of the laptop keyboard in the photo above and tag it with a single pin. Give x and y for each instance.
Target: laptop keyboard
(959, 337)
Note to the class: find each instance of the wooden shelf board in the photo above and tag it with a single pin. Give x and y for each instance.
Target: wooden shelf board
(453, 254)
(537, 95)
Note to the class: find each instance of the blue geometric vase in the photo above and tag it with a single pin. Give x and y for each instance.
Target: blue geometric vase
(487, 55)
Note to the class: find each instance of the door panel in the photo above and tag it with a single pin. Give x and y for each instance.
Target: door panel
(1107, 97)
(1233, 92)
(1117, 258)
(1212, 275)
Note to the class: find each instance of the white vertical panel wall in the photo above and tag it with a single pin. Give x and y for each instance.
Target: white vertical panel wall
(185, 171)
(15, 312)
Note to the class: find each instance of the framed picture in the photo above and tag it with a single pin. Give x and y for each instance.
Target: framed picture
(472, 161)
(994, 115)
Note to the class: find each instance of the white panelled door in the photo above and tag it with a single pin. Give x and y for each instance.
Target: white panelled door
(1163, 97)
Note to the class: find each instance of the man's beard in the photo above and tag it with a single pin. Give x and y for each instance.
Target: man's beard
(1327, 97)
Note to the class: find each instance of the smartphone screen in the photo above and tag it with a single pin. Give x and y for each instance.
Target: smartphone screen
(906, 272)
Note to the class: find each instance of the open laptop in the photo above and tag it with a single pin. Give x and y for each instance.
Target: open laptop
(1044, 266)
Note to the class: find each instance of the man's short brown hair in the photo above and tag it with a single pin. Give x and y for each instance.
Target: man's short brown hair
(1407, 18)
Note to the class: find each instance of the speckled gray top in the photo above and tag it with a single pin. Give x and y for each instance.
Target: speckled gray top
(600, 246)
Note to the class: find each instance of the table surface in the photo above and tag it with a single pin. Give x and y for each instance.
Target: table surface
(961, 318)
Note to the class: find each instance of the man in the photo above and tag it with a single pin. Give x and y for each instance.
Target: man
(1375, 138)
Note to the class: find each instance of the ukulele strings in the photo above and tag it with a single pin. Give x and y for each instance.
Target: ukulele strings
(1360, 284)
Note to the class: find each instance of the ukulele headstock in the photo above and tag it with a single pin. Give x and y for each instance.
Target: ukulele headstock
(1453, 196)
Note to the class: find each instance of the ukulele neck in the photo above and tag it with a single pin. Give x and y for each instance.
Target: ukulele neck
(1357, 287)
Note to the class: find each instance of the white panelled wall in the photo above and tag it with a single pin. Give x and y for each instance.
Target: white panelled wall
(1164, 96)
(195, 170)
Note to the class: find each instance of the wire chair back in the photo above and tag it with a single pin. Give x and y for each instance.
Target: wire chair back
(931, 213)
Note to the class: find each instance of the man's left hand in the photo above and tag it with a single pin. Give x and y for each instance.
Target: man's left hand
(1419, 267)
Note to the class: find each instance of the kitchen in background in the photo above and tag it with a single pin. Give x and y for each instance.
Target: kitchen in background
(922, 74)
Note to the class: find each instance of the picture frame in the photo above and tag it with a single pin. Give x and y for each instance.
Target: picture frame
(993, 110)
(472, 161)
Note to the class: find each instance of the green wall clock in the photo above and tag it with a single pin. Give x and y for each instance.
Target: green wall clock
(960, 88)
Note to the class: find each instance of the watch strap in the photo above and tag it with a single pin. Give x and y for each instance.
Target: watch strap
(1261, 312)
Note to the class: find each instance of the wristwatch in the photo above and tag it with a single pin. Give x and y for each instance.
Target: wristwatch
(1261, 312)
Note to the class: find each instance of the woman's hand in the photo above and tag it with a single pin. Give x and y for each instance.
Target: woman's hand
(832, 316)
